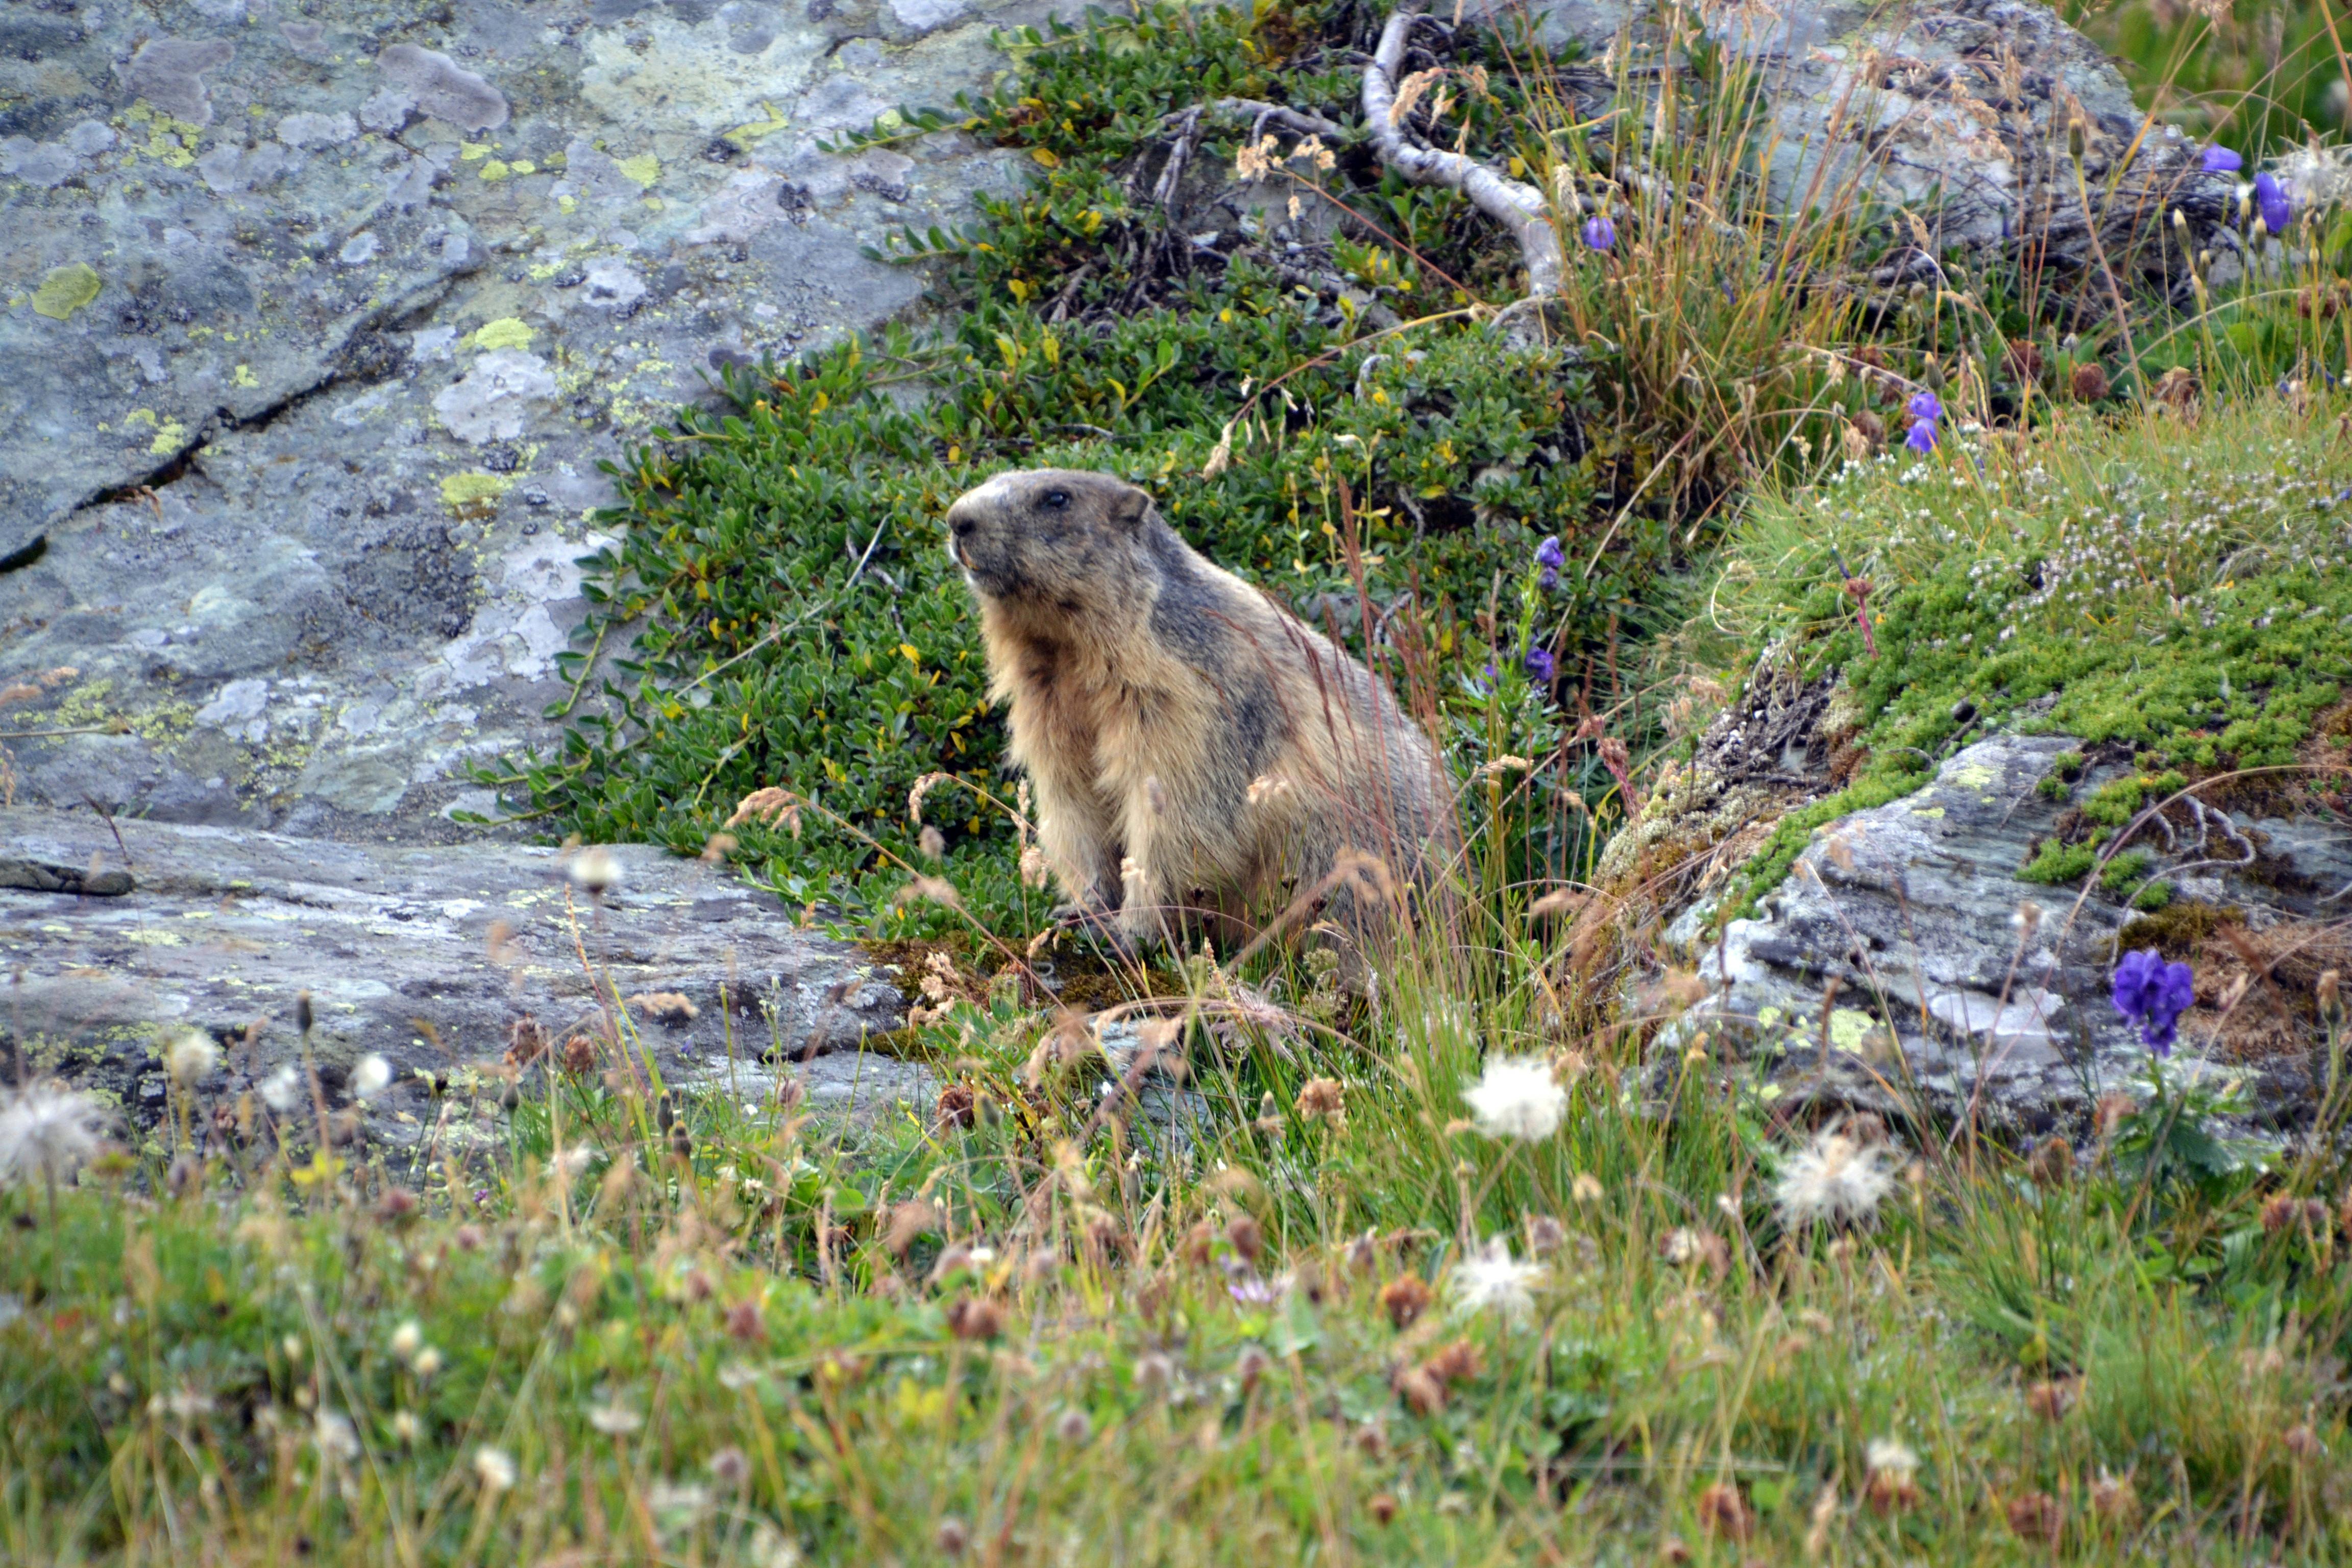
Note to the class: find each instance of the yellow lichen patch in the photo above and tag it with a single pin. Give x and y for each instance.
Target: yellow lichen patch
(505, 332)
(474, 493)
(494, 170)
(524, 167)
(139, 416)
(168, 436)
(645, 168)
(66, 289)
(474, 151)
(245, 376)
(567, 205)
(1848, 1029)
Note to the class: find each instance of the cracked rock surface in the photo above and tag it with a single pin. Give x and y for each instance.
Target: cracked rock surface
(321, 317)
(1913, 911)
(429, 956)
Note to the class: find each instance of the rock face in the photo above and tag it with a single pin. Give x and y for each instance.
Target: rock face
(1957, 112)
(430, 957)
(319, 320)
(1958, 984)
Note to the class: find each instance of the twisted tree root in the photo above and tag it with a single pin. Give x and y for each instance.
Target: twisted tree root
(1520, 208)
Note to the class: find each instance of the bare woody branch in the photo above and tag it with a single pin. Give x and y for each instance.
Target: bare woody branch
(1520, 208)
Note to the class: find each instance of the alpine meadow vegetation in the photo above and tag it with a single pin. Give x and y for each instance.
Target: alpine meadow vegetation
(1240, 1256)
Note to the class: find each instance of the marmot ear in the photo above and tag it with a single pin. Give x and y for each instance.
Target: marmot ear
(1130, 507)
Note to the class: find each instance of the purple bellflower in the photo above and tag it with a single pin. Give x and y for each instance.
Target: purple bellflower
(2153, 994)
(2271, 201)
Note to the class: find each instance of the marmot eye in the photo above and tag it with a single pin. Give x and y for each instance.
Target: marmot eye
(1057, 500)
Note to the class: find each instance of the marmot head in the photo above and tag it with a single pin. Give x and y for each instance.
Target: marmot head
(1049, 534)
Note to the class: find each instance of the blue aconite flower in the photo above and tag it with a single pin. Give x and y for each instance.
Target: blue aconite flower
(2221, 160)
(2153, 994)
(1549, 557)
(1922, 438)
(2269, 199)
(1600, 234)
(1539, 663)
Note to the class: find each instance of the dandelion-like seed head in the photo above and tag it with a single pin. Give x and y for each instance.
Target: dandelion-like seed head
(1834, 1179)
(594, 870)
(494, 1468)
(1490, 1279)
(1892, 1455)
(1516, 1097)
(46, 1131)
(407, 1339)
(371, 1076)
(282, 1089)
(192, 1058)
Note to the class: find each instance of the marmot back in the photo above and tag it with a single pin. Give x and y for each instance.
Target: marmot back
(1191, 746)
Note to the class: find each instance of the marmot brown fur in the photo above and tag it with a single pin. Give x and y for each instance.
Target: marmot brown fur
(1193, 747)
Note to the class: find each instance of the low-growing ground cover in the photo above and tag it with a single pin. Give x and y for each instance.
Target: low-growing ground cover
(2172, 586)
(1395, 1306)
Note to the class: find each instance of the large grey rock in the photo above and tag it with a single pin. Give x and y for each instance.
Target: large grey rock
(1960, 987)
(320, 323)
(1955, 112)
(429, 956)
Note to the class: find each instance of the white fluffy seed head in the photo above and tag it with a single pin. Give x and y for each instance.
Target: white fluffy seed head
(191, 1057)
(1490, 1279)
(281, 1089)
(46, 1131)
(494, 1468)
(1516, 1097)
(371, 1076)
(1835, 1178)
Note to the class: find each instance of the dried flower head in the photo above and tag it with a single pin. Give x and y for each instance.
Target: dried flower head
(2088, 383)
(2037, 1517)
(407, 1339)
(1725, 1514)
(1490, 1279)
(1516, 1097)
(931, 843)
(1074, 1427)
(1892, 1483)
(951, 1537)
(1404, 1299)
(768, 807)
(46, 1131)
(1321, 1097)
(1833, 1179)
(615, 1420)
(666, 1006)
(2114, 1500)
(975, 1318)
(2051, 1397)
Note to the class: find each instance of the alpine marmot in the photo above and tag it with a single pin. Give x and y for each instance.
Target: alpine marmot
(1193, 748)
